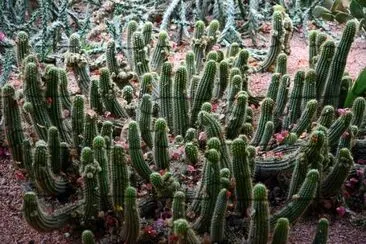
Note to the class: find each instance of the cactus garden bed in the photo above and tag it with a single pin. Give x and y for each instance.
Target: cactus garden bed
(169, 133)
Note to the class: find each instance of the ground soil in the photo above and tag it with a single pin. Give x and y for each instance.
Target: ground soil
(14, 229)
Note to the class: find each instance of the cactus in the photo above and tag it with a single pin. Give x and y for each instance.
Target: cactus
(210, 192)
(120, 179)
(108, 95)
(321, 38)
(321, 236)
(313, 34)
(165, 185)
(204, 89)
(235, 86)
(78, 121)
(90, 129)
(64, 92)
(127, 93)
(334, 180)
(339, 127)
(131, 29)
(147, 32)
(160, 149)
(218, 218)
(281, 231)
(100, 156)
(267, 135)
(358, 109)
(282, 96)
(326, 116)
(191, 152)
(309, 89)
(322, 67)
(161, 51)
(165, 95)
(236, 118)
(281, 64)
(300, 201)
(87, 237)
(131, 228)
(333, 82)
(265, 116)
(22, 47)
(145, 122)
(213, 33)
(95, 99)
(242, 175)
(184, 232)
(141, 63)
(12, 123)
(276, 42)
(180, 104)
(273, 86)
(135, 151)
(222, 79)
(306, 117)
(241, 61)
(259, 224)
(54, 149)
(198, 44)
(179, 205)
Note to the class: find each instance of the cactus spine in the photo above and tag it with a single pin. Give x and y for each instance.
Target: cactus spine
(22, 47)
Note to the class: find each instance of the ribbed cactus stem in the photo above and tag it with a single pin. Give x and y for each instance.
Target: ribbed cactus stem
(281, 231)
(131, 228)
(235, 86)
(222, 79)
(322, 66)
(147, 32)
(95, 99)
(112, 63)
(100, 156)
(300, 201)
(161, 52)
(298, 175)
(190, 64)
(309, 89)
(145, 120)
(134, 148)
(217, 227)
(265, 116)
(90, 129)
(179, 205)
(64, 90)
(312, 46)
(267, 135)
(282, 96)
(335, 179)
(326, 116)
(131, 28)
(27, 158)
(306, 117)
(273, 86)
(333, 82)
(90, 171)
(127, 93)
(339, 127)
(233, 50)
(78, 121)
(22, 47)
(211, 190)
(192, 89)
(276, 41)
(185, 233)
(120, 180)
(180, 103)
(321, 236)
(160, 148)
(54, 149)
(166, 85)
(259, 224)
(281, 64)
(191, 152)
(12, 123)
(41, 221)
(237, 116)
(213, 33)
(33, 95)
(199, 44)
(241, 61)
(141, 63)
(242, 176)
(358, 109)
(165, 185)
(204, 89)
(87, 237)
(321, 38)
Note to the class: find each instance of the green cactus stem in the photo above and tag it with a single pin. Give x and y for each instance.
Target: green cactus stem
(235, 86)
(322, 66)
(321, 236)
(108, 95)
(87, 237)
(222, 80)
(335, 179)
(259, 224)
(326, 117)
(95, 99)
(332, 88)
(41, 221)
(321, 38)
(180, 103)
(33, 95)
(276, 42)
(191, 152)
(120, 180)
(281, 64)
(179, 205)
(289, 29)
(165, 185)
(306, 117)
(100, 155)
(161, 145)
(54, 107)
(273, 86)
(131, 227)
(218, 218)
(281, 231)
(78, 121)
(190, 64)
(185, 233)
(210, 191)
(339, 127)
(300, 201)
(90, 129)
(54, 149)
(127, 93)
(64, 90)
(241, 61)
(90, 171)
(346, 84)
(298, 175)
(27, 158)
(265, 116)
(309, 89)
(141, 63)
(213, 33)
(237, 116)
(282, 97)
(22, 47)
(145, 120)
(165, 95)
(313, 34)
(131, 29)
(12, 123)
(199, 44)
(204, 89)
(267, 135)
(161, 52)
(358, 109)
(242, 176)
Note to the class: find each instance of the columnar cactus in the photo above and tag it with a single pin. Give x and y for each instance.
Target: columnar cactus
(145, 120)
(358, 109)
(165, 95)
(12, 123)
(321, 236)
(64, 91)
(180, 103)
(198, 43)
(141, 63)
(161, 52)
(90, 129)
(273, 86)
(282, 96)
(312, 46)
(309, 89)
(147, 32)
(265, 116)
(306, 117)
(281, 231)
(165, 185)
(160, 149)
(131, 29)
(217, 227)
(95, 99)
(281, 64)
(184, 232)
(131, 227)
(22, 47)
(191, 152)
(326, 116)
(322, 66)
(222, 79)
(87, 237)
(120, 179)
(78, 121)
(267, 135)
(135, 151)
(179, 205)
(213, 33)
(339, 127)
(235, 86)
(259, 224)
(237, 116)
(54, 149)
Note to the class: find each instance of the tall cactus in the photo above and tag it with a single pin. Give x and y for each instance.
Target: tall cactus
(131, 228)
(321, 236)
(145, 117)
(265, 116)
(160, 149)
(161, 52)
(281, 231)
(141, 63)
(180, 103)
(217, 227)
(22, 47)
(120, 180)
(78, 121)
(322, 67)
(166, 84)
(236, 118)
